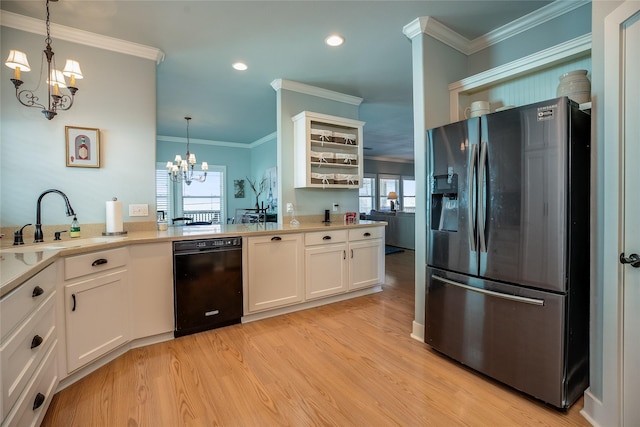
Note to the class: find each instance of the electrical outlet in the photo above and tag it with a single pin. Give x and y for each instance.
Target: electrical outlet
(335, 207)
(139, 210)
(289, 207)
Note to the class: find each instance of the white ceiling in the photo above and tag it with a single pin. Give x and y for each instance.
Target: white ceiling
(277, 39)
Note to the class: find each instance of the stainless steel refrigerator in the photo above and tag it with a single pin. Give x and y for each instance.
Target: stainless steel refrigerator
(507, 290)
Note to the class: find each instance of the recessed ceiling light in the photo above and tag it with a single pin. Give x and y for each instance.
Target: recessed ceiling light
(240, 66)
(334, 40)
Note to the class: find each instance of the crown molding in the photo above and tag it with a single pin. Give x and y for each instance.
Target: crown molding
(524, 23)
(62, 32)
(266, 138)
(429, 26)
(388, 159)
(541, 59)
(294, 86)
(241, 145)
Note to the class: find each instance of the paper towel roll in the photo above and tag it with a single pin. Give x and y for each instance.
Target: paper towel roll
(114, 216)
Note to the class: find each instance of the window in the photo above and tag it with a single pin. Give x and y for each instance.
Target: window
(408, 194)
(367, 194)
(387, 184)
(200, 201)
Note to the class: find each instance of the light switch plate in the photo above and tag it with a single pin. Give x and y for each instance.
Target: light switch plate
(139, 210)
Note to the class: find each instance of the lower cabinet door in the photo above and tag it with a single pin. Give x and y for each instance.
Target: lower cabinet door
(325, 270)
(97, 317)
(275, 270)
(366, 263)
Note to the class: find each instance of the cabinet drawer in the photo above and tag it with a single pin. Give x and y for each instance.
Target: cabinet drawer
(23, 351)
(325, 237)
(33, 403)
(94, 262)
(19, 304)
(365, 233)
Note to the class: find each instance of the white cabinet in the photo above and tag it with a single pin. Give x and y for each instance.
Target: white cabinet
(366, 257)
(275, 271)
(28, 372)
(327, 151)
(97, 305)
(151, 279)
(325, 263)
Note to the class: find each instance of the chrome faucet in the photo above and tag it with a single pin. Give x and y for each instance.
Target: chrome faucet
(37, 237)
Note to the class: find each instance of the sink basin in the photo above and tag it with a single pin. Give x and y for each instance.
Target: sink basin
(31, 248)
(62, 244)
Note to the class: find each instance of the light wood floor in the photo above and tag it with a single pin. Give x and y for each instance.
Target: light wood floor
(347, 364)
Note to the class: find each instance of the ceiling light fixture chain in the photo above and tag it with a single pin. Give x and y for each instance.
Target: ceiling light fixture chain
(55, 79)
(183, 170)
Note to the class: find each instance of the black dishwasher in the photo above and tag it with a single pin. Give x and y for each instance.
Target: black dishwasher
(207, 280)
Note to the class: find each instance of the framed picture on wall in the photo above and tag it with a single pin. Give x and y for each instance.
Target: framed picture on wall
(238, 188)
(83, 147)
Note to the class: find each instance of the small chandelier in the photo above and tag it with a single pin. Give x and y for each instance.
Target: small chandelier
(55, 78)
(183, 169)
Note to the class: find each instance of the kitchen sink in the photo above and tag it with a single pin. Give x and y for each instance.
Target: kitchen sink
(62, 244)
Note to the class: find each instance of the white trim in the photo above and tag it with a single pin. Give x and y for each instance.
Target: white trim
(241, 145)
(74, 35)
(77, 375)
(294, 86)
(524, 23)
(309, 304)
(266, 138)
(592, 409)
(388, 159)
(418, 332)
(429, 26)
(545, 58)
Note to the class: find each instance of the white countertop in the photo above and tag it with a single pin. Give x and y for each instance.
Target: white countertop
(19, 263)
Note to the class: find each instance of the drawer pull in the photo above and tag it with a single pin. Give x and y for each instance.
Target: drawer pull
(36, 341)
(367, 234)
(352, 253)
(276, 238)
(39, 400)
(98, 262)
(73, 297)
(326, 238)
(37, 291)
(344, 254)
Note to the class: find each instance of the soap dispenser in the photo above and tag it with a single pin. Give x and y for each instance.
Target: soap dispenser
(75, 227)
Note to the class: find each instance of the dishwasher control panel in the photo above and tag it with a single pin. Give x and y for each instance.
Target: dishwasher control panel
(206, 244)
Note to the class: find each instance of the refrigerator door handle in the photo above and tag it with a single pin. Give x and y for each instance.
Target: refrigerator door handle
(472, 195)
(533, 301)
(481, 192)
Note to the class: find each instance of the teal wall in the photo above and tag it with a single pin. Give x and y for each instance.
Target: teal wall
(241, 162)
(32, 149)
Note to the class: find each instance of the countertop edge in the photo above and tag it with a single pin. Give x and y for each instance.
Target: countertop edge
(145, 237)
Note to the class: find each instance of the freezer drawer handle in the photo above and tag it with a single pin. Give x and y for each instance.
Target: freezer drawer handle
(491, 293)
(633, 259)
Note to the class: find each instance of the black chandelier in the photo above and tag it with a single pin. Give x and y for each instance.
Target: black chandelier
(57, 100)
